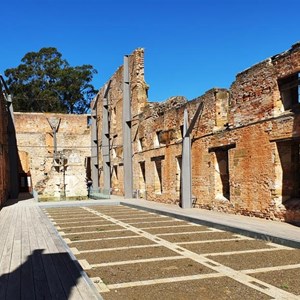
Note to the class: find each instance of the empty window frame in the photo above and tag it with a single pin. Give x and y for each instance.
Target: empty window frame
(114, 153)
(89, 121)
(157, 139)
(288, 175)
(178, 173)
(289, 88)
(115, 172)
(142, 179)
(140, 144)
(158, 165)
(221, 171)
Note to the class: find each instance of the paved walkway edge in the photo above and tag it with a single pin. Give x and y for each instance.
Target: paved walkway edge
(217, 224)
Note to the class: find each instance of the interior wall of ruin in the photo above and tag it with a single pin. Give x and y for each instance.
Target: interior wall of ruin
(245, 145)
(64, 177)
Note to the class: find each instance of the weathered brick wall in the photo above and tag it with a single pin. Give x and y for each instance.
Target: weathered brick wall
(156, 142)
(245, 146)
(138, 89)
(4, 165)
(36, 147)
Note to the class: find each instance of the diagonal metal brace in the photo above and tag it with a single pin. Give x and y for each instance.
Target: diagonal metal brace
(186, 173)
(195, 118)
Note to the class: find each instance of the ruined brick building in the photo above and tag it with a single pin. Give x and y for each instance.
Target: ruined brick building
(244, 148)
(54, 154)
(46, 153)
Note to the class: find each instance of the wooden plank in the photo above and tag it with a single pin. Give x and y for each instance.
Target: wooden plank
(67, 281)
(4, 226)
(75, 270)
(41, 287)
(6, 255)
(68, 278)
(14, 279)
(27, 282)
(6, 220)
(55, 287)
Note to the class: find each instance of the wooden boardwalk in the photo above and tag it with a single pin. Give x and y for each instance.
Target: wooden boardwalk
(34, 261)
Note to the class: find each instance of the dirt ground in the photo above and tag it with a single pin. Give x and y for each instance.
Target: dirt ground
(222, 288)
(160, 268)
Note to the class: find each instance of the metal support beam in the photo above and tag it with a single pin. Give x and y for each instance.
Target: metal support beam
(105, 142)
(54, 124)
(127, 150)
(186, 173)
(94, 148)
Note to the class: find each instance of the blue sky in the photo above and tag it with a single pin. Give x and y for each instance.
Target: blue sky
(190, 46)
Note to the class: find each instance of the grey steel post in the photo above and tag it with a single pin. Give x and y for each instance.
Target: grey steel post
(127, 150)
(186, 175)
(54, 124)
(105, 142)
(186, 172)
(94, 148)
(55, 141)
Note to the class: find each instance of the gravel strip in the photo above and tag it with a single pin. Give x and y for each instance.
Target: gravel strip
(148, 270)
(129, 254)
(115, 243)
(246, 261)
(222, 288)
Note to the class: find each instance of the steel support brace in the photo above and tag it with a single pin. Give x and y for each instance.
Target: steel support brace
(105, 143)
(186, 173)
(94, 149)
(186, 176)
(127, 150)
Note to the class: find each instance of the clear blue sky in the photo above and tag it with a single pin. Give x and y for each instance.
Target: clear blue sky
(190, 45)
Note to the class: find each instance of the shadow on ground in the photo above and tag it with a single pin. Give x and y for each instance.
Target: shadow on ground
(21, 197)
(30, 281)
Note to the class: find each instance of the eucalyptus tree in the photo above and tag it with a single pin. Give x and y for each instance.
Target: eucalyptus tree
(45, 82)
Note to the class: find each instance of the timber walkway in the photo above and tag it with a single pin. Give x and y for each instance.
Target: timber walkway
(34, 261)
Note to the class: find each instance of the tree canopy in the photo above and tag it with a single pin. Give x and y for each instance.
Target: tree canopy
(45, 82)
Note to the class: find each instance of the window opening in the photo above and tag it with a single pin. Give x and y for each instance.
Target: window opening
(158, 177)
(116, 171)
(290, 91)
(221, 171)
(178, 173)
(142, 179)
(158, 184)
(140, 143)
(156, 139)
(89, 121)
(288, 175)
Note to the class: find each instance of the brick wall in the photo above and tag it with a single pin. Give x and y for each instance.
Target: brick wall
(245, 146)
(36, 152)
(115, 98)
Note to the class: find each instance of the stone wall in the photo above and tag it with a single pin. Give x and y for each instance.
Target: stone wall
(60, 176)
(245, 146)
